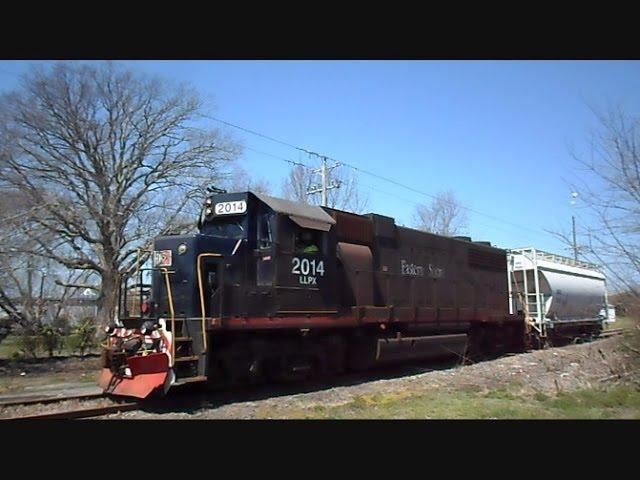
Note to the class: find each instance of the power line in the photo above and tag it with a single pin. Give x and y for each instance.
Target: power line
(292, 162)
(257, 133)
(413, 202)
(370, 187)
(361, 170)
(324, 172)
(366, 172)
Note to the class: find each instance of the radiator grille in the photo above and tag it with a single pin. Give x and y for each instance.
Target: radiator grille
(353, 228)
(487, 260)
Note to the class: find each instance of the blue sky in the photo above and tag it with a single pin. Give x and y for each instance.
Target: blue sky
(497, 133)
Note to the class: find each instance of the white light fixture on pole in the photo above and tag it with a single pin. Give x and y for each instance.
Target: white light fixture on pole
(574, 195)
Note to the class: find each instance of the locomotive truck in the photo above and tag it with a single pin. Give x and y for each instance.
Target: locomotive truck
(275, 290)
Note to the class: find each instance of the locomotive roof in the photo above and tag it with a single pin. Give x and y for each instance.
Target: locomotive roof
(300, 213)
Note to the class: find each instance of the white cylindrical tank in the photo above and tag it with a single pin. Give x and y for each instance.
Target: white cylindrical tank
(569, 296)
(555, 288)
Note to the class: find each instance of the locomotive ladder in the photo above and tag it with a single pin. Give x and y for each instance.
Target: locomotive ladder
(537, 303)
(533, 310)
(188, 346)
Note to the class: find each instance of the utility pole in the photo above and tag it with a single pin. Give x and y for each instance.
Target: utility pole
(574, 195)
(326, 185)
(575, 245)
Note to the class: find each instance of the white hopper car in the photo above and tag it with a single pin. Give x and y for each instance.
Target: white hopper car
(559, 296)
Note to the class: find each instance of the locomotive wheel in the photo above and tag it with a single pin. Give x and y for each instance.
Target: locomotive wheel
(215, 374)
(335, 353)
(362, 353)
(235, 361)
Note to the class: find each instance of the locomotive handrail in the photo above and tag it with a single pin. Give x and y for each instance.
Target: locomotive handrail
(173, 315)
(554, 258)
(201, 291)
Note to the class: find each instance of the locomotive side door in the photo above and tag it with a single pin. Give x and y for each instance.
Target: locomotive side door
(212, 278)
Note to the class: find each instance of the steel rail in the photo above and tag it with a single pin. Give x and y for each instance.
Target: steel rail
(49, 399)
(80, 412)
(612, 332)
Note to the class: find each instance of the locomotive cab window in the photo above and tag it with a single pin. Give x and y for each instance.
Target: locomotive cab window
(265, 231)
(227, 227)
(265, 237)
(308, 241)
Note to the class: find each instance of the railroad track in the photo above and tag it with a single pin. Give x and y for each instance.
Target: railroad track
(71, 413)
(612, 332)
(188, 400)
(80, 412)
(208, 401)
(49, 399)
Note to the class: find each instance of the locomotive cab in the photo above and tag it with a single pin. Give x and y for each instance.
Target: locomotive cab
(253, 255)
(270, 251)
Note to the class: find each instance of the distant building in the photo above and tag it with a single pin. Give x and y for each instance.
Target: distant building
(76, 307)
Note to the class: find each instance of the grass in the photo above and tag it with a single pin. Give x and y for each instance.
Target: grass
(19, 384)
(9, 347)
(42, 372)
(620, 401)
(469, 402)
(624, 322)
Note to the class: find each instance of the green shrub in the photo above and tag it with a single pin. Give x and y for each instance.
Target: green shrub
(51, 338)
(84, 336)
(29, 344)
(63, 324)
(73, 343)
(62, 343)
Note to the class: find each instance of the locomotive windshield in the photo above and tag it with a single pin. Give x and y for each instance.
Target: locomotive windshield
(226, 228)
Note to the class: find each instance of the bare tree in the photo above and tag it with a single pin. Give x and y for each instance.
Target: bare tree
(240, 180)
(444, 215)
(13, 265)
(31, 291)
(109, 158)
(609, 232)
(298, 181)
(347, 197)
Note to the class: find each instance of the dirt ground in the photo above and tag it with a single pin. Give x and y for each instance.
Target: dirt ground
(46, 375)
(546, 372)
(551, 372)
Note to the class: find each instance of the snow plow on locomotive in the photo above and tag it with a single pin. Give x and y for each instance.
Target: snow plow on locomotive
(273, 290)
